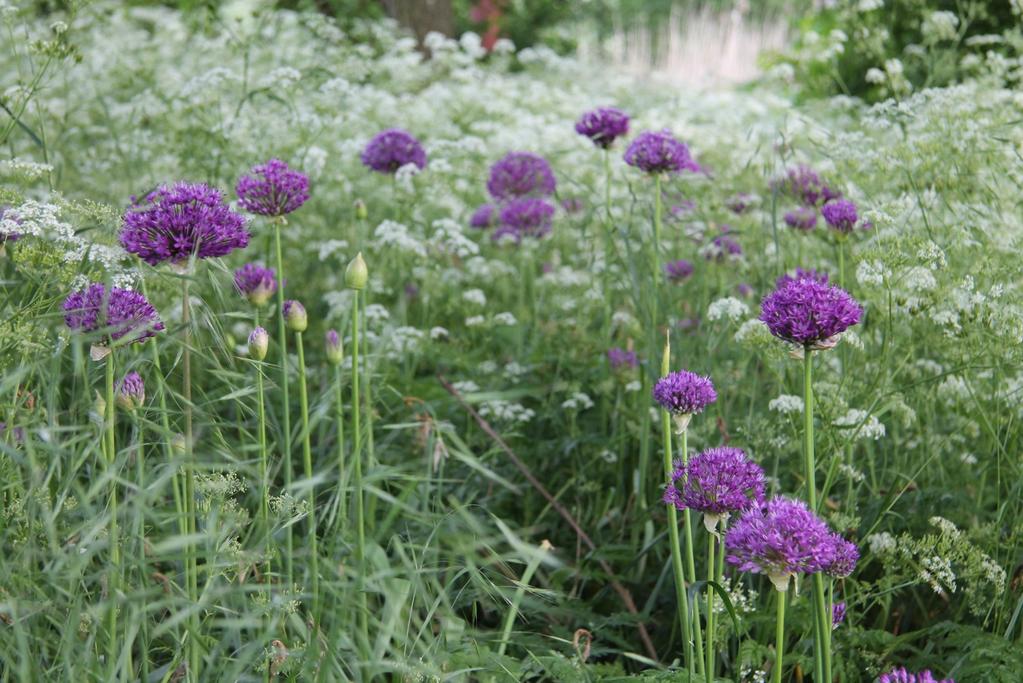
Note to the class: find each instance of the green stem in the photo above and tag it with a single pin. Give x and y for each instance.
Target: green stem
(360, 524)
(140, 482)
(264, 482)
(681, 595)
(113, 534)
(687, 527)
(282, 342)
(711, 576)
(779, 636)
(191, 559)
(342, 485)
(307, 461)
(822, 640)
(520, 592)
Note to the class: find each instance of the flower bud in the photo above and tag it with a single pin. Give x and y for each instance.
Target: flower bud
(356, 275)
(99, 409)
(295, 316)
(361, 213)
(131, 393)
(335, 352)
(259, 340)
(178, 444)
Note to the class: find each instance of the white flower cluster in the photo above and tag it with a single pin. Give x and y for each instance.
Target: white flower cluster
(728, 308)
(860, 424)
(578, 401)
(505, 411)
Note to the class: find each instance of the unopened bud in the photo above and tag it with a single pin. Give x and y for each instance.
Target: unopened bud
(361, 212)
(335, 352)
(131, 393)
(295, 316)
(259, 340)
(356, 275)
(178, 444)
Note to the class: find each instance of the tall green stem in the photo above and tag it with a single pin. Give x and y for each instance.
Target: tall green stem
(779, 636)
(687, 527)
(114, 584)
(822, 639)
(191, 559)
(307, 461)
(711, 576)
(520, 593)
(360, 523)
(282, 345)
(264, 482)
(342, 485)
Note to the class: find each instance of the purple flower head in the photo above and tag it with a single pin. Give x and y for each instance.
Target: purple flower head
(178, 222)
(844, 560)
(7, 233)
(273, 189)
(808, 312)
(335, 352)
(802, 218)
(717, 482)
(131, 392)
(837, 614)
(803, 183)
(485, 216)
(295, 316)
(255, 283)
(525, 217)
(521, 174)
(684, 393)
(659, 152)
(723, 248)
(781, 538)
(678, 271)
(121, 314)
(811, 274)
(900, 675)
(840, 215)
(622, 359)
(744, 290)
(572, 204)
(739, 203)
(603, 126)
(391, 149)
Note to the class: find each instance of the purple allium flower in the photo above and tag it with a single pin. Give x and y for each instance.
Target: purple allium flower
(806, 185)
(255, 283)
(722, 248)
(295, 316)
(837, 614)
(678, 271)
(801, 274)
(131, 392)
(525, 217)
(485, 216)
(780, 539)
(684, 394)
(809, 312)
(521, 174)
(334, 350)
(840, 215)
(844, 560)
(572, 205)
(273, 189)
(744, 290)
(802, 218)
(716, 482)
(900, 675)
(391, 149)
(659, 152)
(622, 358)
(123, 315)
(179, 222)
(603, 126)
(739, 203)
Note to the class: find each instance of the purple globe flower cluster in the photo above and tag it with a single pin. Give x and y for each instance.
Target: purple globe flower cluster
(901, 675)
(603, 126)
(808, 312)
(622, 359)
(801, 273)
(801, 218)
(678, 271)
(684, 393)
(716, 482)
(520, 183)
(174, 224)
(782, 538)
(837, 615)
(485, 216)
(121, 315)
(521, 174)
(656, 152)
(840, 215)
(131, 392)
(740, 203)
(806, 185)
(273, 189)
(391, 149)
(256, 283)
(723, 248)
(524, 217)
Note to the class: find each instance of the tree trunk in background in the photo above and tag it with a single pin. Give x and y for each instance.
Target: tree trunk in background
(422, 16)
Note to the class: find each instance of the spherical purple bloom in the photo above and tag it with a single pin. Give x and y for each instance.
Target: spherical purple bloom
(521, 174)
(678, 271)
(739, 203)
(659, 152)
(806, 185)
(391, 149)
(837, 614)
(717, 482)
(684, 393)
(622, 358)
(844, 560)
(780, 539)
(485, 216)
(525, 217)
(255, 283)
(121, 314)
(901, 675)
(131, 392)
(603, 126)
(840, 215)
(809, 312)
(176, 223)
(273, 189)
(803, 218)
(722, 248)
(815, 275)
(744, 290)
